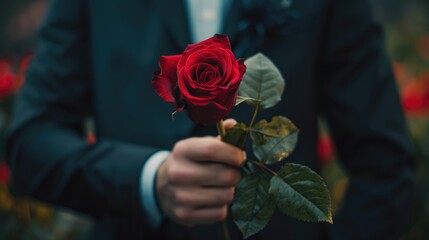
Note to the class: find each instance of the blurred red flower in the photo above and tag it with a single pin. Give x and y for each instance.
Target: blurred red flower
(325, 148)
(4, 173)
(7, 79)
(415, 95)
(90, 137)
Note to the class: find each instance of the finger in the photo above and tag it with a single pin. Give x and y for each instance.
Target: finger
(209, 149)
(203, 174)
(191, 216)
(229, 123)
(202, 197)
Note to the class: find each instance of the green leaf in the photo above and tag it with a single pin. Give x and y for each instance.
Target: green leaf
(262, 80)
(274, 141)
(251, 101)
(258, 137)
(236, 135)
(252, 208)
(301, 193)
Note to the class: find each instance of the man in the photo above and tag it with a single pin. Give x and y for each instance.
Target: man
(96, 58)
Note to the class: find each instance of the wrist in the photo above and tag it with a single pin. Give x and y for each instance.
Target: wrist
(148, 187)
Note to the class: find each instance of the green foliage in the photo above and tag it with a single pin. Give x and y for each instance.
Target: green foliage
(251, 101)
(274, 141)
(301, 193)
(236, 135)
(253, 207)
(259, 137)
(296, 190)
(262, 81)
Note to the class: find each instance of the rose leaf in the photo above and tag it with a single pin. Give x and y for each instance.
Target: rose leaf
(274, 141)
(257, 135)
(252, 208)
(236, 135)
(251, 101)
(301, 193)
(262, 80)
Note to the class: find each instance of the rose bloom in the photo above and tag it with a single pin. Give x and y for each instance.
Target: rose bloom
(204, 79)
(325, 148)
(4, 173)
(415, 96)
(7, 79)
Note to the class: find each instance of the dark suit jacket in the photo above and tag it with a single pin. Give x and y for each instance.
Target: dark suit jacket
(95, 60)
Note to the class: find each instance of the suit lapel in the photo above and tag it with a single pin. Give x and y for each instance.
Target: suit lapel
(175, 20)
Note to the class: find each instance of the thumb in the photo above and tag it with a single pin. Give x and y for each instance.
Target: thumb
(229, 123)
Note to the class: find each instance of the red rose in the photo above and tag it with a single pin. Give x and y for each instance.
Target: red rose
(415, 96)
(4, 173)
(7, 79)
(90, 137)
(325, 148)
(204, 79)
(7, 85)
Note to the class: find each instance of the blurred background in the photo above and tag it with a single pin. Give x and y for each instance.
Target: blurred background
(406, 26)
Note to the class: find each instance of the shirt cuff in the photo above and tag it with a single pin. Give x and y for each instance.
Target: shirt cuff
(147, 189)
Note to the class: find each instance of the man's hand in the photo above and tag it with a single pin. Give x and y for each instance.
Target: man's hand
(197, 181)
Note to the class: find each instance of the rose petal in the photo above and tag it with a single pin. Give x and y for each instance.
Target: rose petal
(168, 65)
(163, 86)
(207, 114)
(165, 81)
(217, 41)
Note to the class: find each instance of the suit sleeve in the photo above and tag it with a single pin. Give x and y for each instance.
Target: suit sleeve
(360, 100)
(47, 150)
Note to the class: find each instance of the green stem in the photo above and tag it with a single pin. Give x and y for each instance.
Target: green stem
(255, 113)
(221, 129)
(226, 235)
(222, 132)
(263, 166)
